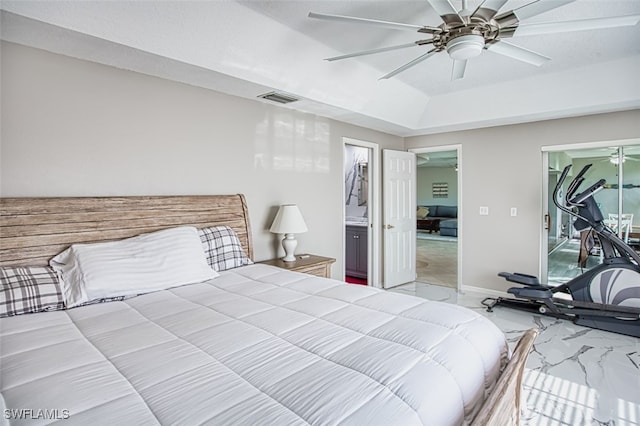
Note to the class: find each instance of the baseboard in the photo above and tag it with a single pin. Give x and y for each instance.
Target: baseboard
(487, 291)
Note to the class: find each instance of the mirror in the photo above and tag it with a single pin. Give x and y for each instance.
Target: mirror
(363, 183)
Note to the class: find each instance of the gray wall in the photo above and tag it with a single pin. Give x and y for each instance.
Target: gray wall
(427, 176)
(73, 128)
(501, 167)
(76, 128)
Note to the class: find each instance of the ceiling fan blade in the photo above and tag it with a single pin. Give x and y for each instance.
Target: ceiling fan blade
(379, 50)
(513, 17)
(385, 24)
(488, 9)
(447, 12)
(409, 65)
(579, 25)
(538, 7)
(458, 69)
(517, 52)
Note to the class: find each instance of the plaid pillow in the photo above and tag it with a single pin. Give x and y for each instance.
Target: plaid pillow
(223, 248)
(29, 289)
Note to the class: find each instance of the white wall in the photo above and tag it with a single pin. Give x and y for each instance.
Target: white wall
(76, 128)
(502, 168)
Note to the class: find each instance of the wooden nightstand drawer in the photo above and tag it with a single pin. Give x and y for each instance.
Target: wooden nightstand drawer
(307, 263)
(320, 270)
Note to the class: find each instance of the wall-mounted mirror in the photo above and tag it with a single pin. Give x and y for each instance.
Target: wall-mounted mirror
(363, 183)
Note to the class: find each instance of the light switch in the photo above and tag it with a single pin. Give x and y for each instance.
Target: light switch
(514, 211)
(484, 211)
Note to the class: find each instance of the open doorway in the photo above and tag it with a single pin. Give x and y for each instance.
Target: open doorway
(361, 205)
(437, 218)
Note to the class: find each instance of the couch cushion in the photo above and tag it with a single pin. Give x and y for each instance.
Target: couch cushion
(448, 232)
(433, 211)
(448, 211)
(449, 228)
(449, 223)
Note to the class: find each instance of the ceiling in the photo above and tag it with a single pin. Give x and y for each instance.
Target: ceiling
(440, 159)
(604, 152)
(600, 157)
(444, 159)
(248, 48)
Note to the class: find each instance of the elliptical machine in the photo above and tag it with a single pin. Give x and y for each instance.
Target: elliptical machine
(606, 297)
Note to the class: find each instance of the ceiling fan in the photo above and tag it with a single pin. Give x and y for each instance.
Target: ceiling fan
(465, 33)
(614, 159)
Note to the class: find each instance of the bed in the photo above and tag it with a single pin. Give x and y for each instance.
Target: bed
(254, 345)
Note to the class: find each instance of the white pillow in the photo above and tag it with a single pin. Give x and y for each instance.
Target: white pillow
(136, 265)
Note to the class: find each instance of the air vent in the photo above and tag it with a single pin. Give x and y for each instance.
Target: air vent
(280, 98)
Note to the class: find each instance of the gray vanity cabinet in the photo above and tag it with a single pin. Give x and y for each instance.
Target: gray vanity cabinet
(356, 251)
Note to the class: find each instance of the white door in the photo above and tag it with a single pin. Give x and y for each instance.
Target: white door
(399, 209)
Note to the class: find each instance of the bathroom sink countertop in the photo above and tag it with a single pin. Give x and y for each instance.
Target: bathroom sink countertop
(356, 221)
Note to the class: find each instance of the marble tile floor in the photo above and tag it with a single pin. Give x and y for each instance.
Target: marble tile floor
(574, 376)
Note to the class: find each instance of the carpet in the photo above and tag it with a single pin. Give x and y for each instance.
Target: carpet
(354, 280)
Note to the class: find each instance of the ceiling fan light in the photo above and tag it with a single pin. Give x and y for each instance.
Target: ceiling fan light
(465, 47)
(615, 160)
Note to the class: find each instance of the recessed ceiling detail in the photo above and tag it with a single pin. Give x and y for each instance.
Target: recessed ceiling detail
(249, 48)
(466, 32)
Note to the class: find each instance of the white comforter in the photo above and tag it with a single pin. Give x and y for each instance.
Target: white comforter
(257, 345)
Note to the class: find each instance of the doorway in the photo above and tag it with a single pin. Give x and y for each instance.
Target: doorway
(438, 198)
(566, 252)
(361, 212)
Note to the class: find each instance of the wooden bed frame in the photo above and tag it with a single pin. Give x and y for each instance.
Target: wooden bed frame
(502, 407)
(33, 230)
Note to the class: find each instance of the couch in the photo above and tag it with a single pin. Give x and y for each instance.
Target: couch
(438, 217)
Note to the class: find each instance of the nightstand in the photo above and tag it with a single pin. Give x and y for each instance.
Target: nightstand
(314, 265)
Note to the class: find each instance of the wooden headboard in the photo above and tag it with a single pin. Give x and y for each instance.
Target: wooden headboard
(33, 230)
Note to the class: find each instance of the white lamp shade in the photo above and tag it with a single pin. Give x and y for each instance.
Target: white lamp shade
(288, 221)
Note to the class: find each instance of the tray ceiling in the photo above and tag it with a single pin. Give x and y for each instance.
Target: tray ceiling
(254, 47)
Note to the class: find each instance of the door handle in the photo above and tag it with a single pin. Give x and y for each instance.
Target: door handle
(389, 227)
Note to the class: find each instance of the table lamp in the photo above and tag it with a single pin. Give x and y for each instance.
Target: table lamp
(289, 222)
